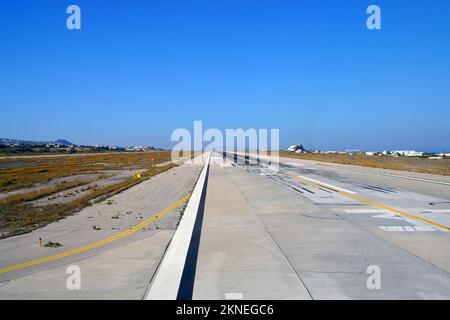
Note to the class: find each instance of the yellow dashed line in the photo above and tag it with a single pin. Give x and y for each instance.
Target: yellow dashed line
(98, 243)
(372, 203)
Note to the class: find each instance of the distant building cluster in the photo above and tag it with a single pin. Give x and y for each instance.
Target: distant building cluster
(117, 148)
(139, 148)
(298, 148)
(66, 145)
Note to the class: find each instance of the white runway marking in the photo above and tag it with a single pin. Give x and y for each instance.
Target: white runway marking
(416, 225)
(408, 228)
(436, 210)
(296, 164)
(326, 184)
(389, 216)
(425, 228)
(366, 211)
(234, 296)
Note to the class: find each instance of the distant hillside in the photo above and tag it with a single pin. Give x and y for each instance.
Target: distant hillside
(8, 142)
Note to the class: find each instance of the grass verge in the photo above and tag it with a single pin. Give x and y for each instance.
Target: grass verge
(19, 218)
(30, 196)
(27, 172)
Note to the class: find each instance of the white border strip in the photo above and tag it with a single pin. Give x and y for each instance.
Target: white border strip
(325, 184)
(166, 283)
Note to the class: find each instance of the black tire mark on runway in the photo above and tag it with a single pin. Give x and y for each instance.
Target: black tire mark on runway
(296, 190)
(308, 190)
(378, 189)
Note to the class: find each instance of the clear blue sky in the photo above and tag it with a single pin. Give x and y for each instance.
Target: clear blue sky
(139, 69)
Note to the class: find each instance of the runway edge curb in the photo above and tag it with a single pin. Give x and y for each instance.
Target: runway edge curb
(166, 283)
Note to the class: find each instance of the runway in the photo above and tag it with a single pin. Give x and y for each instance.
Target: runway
(253, 229)
(315, 231)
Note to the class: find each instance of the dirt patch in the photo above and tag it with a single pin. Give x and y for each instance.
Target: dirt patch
(110, 178)
(45, 169)
(86, 178)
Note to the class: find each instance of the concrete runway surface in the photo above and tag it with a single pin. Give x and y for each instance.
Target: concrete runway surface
(308, 230)
(312, 230)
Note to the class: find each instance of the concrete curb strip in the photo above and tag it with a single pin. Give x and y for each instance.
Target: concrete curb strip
(166, 282)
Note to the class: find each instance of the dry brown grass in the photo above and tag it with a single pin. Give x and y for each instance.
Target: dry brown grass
(413, 164)
(18, 218)
(33, 195)
(43, 169)
(18, 215)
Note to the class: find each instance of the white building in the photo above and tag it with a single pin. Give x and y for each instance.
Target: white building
(408, 153)
(295, 148)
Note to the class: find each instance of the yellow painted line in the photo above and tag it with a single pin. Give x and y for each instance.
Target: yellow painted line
(372, 203)
(98, 243)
